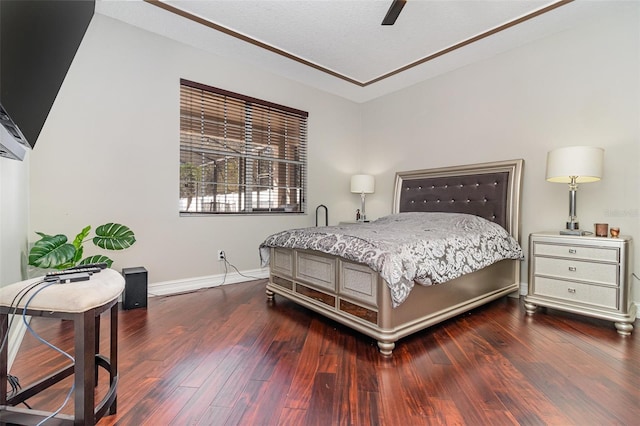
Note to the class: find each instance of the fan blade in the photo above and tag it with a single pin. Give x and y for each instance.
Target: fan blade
(393, 12)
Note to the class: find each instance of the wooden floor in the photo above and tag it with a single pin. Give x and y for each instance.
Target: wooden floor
(224, 356)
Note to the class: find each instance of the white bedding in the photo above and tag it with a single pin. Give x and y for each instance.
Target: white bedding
(427, 248)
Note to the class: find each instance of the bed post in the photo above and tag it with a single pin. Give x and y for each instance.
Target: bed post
(386, 348)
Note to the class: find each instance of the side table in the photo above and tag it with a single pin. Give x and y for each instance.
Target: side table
(81, 302)
(585, 275)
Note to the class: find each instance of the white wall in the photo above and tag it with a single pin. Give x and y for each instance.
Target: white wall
(14, 217)
(109, 151)
(579, 87)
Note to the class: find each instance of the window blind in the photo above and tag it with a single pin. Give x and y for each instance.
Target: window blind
(240, 154)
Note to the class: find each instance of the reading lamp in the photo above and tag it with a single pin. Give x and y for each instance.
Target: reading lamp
(574, 165)
(362, 184)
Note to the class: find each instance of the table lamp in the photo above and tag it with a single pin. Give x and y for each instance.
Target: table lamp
(574, 165)
(362, 184)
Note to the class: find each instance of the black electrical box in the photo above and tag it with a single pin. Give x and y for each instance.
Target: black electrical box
(135, 288)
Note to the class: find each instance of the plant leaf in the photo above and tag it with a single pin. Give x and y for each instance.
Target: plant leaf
(42, 234)
(77, 242)
(51, 252)
(113, 236)
(78, 255)
(70, 264)
(97, 259)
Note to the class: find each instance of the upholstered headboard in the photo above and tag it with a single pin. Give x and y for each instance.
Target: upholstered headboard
(488, 190)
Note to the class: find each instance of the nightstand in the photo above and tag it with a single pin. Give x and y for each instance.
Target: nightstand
(585, 275)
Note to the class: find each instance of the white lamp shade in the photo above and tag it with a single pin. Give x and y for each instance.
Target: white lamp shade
(362, 184)
(582, 162)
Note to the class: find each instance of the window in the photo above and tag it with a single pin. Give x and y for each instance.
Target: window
(239, 154)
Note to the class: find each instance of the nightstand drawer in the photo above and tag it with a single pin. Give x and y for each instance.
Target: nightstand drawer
(606, 297)
(577, 252)
(601, 273)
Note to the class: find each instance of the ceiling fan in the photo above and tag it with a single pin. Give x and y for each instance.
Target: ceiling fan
(393, 12)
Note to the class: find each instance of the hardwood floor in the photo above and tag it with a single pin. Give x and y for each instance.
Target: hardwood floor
(224, 356)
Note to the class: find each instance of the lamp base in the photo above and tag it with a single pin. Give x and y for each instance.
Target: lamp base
(573, 225)
(573, 228)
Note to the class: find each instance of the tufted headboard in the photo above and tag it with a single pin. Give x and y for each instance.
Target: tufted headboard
(488, 190)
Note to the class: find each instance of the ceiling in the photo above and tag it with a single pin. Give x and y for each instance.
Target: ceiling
(340, 46)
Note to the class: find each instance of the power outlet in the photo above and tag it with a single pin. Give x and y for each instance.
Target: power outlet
(221, 255)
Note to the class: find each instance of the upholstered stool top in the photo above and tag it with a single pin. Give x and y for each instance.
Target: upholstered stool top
(75, 297)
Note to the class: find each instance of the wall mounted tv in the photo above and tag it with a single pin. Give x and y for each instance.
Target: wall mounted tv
(38, 41)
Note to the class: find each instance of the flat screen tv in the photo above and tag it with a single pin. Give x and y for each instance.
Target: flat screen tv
(38, 41)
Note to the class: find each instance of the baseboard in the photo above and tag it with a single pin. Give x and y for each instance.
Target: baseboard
(524, 287)
(165, 288)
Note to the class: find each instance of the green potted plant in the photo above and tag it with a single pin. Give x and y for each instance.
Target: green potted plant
(56, 252)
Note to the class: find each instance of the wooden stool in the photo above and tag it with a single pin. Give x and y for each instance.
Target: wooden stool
(81, 302)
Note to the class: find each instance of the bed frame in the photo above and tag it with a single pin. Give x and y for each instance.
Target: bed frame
(356, 296)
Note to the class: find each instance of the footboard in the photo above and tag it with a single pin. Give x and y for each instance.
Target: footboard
(356, 296)
(327, 283)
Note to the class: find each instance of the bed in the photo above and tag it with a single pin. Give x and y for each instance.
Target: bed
(356, 294)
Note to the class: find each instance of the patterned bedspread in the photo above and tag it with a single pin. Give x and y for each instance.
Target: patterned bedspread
(427, 248)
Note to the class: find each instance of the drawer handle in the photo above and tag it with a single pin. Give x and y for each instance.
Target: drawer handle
(571, 290)
(572, 268)
(572, 251)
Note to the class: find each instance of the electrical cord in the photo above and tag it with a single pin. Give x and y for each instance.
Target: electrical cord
(226, 262)
(37, 336)
(226, 270)
(13, 381)
(15, 388)
(224, 277)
